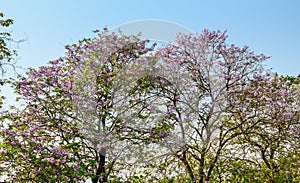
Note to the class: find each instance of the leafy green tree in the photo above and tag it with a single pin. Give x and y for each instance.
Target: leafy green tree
(6, 54)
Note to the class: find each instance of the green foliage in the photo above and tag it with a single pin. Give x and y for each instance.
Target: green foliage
(292, 79)
(6, 54)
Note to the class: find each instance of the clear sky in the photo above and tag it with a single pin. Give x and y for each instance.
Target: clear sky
(271, 27)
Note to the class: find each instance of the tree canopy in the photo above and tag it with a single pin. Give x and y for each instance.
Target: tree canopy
(114, 109)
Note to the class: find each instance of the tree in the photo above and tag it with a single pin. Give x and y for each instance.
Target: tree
(213, 111)
(70, 122)
(6, 54)
(113, 109)
(211, 73)
(268, 150)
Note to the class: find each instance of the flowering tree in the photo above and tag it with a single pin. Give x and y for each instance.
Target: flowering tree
(268, 148)
(206, 99)
(113, 109)
(70, 119)
(216, 73)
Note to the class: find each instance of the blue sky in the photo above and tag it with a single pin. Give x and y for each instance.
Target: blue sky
(271, 27)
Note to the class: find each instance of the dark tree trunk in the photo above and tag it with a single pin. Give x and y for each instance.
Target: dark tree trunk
(187, 166)
(201, 170)
(101, 176)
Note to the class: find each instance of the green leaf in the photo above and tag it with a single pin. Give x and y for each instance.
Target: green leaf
(80, 173)
(93, 162)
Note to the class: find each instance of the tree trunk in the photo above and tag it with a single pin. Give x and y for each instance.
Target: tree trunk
(187, 166)
(201, 168)
(101, 177)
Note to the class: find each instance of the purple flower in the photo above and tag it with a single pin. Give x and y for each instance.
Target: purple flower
(276, 105)
(186, 119)
(151, 133)
(76, 168)
(173, 108)
(3, 151)
(8, 132)
(52, 160)
(39, 170)
(166, 114)
(161, 134)
(258, 89)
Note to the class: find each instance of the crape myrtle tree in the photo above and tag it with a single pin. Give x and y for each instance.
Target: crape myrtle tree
(268, 149)
(69, 127)
(113, 109)
(210, 81)
(216, 73)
